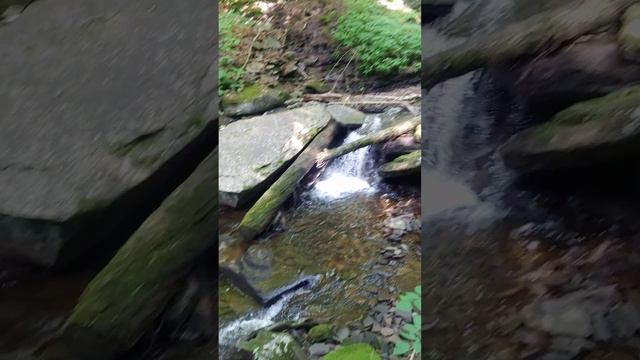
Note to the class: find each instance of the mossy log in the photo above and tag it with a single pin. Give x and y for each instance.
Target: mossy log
(265, 209)
(127, 296)
(387, 134)
(543, 32)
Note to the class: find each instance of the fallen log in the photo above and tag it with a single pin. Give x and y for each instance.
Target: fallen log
(543, 32)
(265, 209)
(129, 294)
(374, 138)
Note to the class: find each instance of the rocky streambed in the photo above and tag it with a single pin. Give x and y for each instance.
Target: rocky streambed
(330, 267)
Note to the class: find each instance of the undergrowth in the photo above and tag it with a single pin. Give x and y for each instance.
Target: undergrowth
(381, 41)
(232, 26)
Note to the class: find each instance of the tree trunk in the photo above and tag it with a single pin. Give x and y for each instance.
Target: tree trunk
(265, 209)
(543, 32)
(128, 295)
(377, 137)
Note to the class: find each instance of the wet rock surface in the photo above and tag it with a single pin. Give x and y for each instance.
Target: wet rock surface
(82, 132)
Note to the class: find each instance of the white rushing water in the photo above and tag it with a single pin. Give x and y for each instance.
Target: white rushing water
(352, 172)
(242, 327)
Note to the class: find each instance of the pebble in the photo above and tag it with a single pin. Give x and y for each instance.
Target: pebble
(387, 332)
(342, 334)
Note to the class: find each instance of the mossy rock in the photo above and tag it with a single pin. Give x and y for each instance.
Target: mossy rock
(252, 100)
(319, 333)
(268, 345)
(404, 165)
(353, 352)
(315, 86)
(629, 35)
(593, 132)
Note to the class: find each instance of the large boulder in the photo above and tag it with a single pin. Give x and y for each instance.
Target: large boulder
(594, 132)
(629, 34)
(591, 67)
(255, 151)
(105, 107)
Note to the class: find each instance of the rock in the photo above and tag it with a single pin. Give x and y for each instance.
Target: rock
(353, 352)
(559, 316)
(588, 68)
(90, 141)
(404, 165)
(342, 334)
(433, 9)
(254, 151)
(320, 349)
(592, 132)
(275, 346)
(418, 133)
(386, 332)
(252, 100)
(570, 345)
(624, 320)
(315, 86)
(319, 333)
(629, 34)
(402, 145)
(346, 116)
(268, 43)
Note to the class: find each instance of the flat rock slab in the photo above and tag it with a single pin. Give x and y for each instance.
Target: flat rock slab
(253, 151)
(97, 96)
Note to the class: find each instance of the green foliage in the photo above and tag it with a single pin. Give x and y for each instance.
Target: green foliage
(382, 41)
(411, 336)
(230, 25)
(353, 352)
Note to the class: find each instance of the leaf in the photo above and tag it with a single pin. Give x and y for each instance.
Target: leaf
(417, 321)
(418, 305)
(408, 336)
(401, 348)
(417, 346)
(418, 290)
(410, 328)
(404, 305)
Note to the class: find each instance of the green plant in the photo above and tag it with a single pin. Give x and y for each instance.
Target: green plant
(231, 24)
(411, 335)
(382, 41)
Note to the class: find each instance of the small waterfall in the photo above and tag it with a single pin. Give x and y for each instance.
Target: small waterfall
(244, 326)
(352, 172)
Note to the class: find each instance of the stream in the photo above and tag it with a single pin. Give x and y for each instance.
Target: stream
(333, 233)
(506, 256)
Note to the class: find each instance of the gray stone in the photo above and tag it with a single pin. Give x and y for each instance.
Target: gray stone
(254, 150)
(342, 334)
(624, 320)
(101, 102)
(588, 68)
(346, 116)
(559, 316)
(319, 349)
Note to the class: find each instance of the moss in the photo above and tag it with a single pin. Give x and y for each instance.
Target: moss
(268, 345)
(142, 142)
(315, 86)
(319, 333)
(249, 93)
(90, 205)
(353, 352)
(600, 108)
